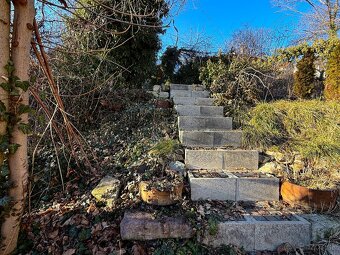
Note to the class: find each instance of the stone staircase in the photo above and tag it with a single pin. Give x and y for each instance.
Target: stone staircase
(219, 169)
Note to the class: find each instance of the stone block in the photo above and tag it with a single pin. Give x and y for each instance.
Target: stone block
(222, 159)
(107, 190)
(193, 101)
(270, 234)
(197, 87)
(204, 123)
(258, 189)
(196, 110)
(157, 88)
(231, 138)
(213, 188)
(238, 233)
(143, 226)
(160, 94)
(322, 224)
(189, 93)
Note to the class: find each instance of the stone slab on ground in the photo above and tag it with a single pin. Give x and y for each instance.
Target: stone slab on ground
(232, 187)
(213, 188)
(144, 226)
(232, 138)
(197, 87)
(107, 190)
(204, 123)
(189, 93)
(197, 110)
(193, 101)
(222, 159)
(333, 249)
(161, 94)
(322, 225)
(252, 234)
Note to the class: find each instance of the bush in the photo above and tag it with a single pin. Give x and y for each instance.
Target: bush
(309, 128)
(332, 83)
(304, 78)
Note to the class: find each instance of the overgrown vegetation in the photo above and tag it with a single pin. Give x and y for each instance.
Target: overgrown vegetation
(332, 82)
(304, 78)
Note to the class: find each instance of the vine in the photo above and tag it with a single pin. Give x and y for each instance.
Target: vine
(12, 117)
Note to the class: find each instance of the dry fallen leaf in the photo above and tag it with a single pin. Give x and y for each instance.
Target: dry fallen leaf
(138, 250)
(69, 252)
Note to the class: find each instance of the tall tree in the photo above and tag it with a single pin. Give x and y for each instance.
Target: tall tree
(16, 75)
(322, 19)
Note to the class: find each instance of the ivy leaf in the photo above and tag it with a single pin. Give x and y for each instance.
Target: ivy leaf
(24, 85)
(10, 67)
(2, 107)
(6, 86)
(13, 147)
(25, 128)
(22, 108)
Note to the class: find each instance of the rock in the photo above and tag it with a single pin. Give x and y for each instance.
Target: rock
(144, 226)
(270, 168)
(178, 167)
(280, 157)
(298, 165)
(107, 190)
(157, 88)
(333, 249)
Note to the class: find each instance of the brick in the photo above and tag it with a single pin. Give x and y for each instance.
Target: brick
(193, 101)
(204, 123)
(196, 110)
(258, 189)
(232, 138)
(222, 159)
(143, 226)
(213, 188)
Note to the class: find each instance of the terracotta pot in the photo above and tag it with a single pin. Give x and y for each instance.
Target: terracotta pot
(156, 197)
(164, 104)
(322, 200)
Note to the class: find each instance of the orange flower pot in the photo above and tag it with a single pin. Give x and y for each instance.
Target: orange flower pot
(321, 200)
(156, 197)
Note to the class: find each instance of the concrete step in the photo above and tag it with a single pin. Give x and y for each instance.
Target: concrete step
(222, 159)
(160, 94)
(196, 110)
(193, 101)
(189, 93)
(260, 233)
(226, 138)
(222, 185)
(197, 87)
(204, 123)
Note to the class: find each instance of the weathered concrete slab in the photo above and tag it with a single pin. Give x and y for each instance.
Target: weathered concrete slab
(270, 234)
(322, 225)
(204, 123)
(196, 110)
(143, 226)
(213, 188)
(333, 249)
(232, 138)
(189, 93)
(258, 189)
(232, 187)
(253, 235)
(222, 159)
(238, 233)
(193, 101)
(197, 87)
(160, 94)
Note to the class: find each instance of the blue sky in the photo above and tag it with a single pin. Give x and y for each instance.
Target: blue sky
(216, 20)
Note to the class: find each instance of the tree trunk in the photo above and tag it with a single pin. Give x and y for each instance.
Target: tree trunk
(20, 54)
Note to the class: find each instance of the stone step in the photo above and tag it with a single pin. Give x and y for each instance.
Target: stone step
(193, 87)
(204, 123)
(143, 226)
(260, 233)
(188, 93)
(196, 110)
(222, 185)
(193, 101)
(226, 138)
(222, 159)
(160, 94)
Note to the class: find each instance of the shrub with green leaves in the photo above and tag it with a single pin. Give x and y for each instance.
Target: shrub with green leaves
(332, 83)
(304, 78)
(310, 128)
